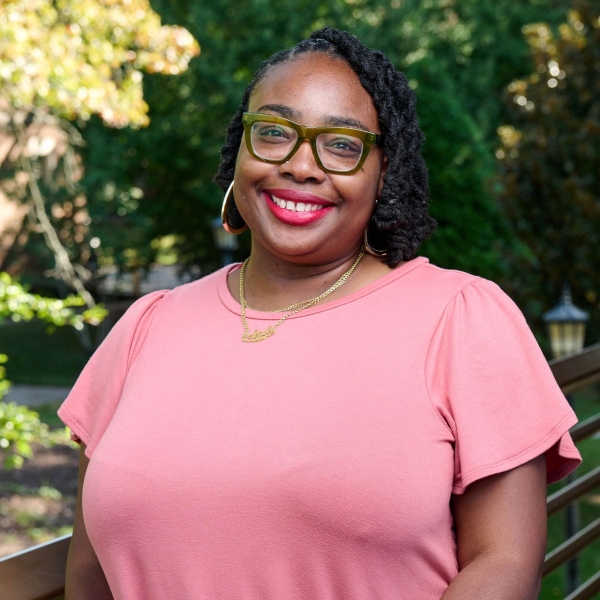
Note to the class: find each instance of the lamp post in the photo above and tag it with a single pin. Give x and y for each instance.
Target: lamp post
(225, 242)
(566, 328)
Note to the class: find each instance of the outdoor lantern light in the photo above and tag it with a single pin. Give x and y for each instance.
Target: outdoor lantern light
(566, 326)
(225, 242)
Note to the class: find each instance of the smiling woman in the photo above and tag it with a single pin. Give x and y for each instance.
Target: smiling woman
(351, 422)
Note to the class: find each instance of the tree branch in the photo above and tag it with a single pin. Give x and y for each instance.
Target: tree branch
(63, 263)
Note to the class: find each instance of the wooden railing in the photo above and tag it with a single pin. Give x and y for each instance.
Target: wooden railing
(35, 574)
(38, 573)
(574, 374)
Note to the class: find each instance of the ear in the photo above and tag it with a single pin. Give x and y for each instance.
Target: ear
(382, 172)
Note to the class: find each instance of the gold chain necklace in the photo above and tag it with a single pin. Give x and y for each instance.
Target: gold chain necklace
(259, 336)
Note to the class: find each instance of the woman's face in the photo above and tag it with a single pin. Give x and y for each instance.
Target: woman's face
(314, 90)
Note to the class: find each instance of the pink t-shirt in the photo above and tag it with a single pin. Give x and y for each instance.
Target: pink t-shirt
(319, 463)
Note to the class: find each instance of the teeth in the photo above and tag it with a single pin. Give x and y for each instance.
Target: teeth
(295, 207)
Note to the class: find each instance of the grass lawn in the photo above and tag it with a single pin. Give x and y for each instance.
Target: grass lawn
(38, 358)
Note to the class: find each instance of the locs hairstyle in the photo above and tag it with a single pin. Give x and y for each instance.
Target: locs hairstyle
(401, 220)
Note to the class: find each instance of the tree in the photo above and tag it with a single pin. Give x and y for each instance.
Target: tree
(84, 57)
(549, 161)
(449, 50)
(62, 60)
(70, 59)
(156, 182)
(461, 56)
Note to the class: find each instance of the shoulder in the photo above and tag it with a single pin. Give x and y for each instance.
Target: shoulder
(138, 318)
(187, 296)
(453, 281)
(437, 290)
(205, 287)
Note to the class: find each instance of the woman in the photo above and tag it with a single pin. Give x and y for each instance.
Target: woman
(334, 419)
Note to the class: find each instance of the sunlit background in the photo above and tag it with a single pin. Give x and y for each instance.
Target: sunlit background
(111, 124)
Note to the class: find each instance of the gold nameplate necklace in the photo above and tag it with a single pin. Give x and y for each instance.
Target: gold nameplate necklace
(259, 336)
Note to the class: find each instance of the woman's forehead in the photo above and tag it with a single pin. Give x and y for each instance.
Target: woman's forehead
(315, 87)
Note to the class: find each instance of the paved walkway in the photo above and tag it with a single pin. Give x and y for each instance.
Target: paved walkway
(34, 395)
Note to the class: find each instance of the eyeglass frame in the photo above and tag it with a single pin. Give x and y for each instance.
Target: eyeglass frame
(368, 138)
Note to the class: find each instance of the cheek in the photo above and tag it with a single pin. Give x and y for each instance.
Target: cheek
(377, 183)
(248, 170)
(239, 161)
(371, 187)
(243, 175)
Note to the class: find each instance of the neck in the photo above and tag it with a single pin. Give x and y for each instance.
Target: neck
(272, 283)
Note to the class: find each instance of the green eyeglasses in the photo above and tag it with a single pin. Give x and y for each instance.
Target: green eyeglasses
(336, 149)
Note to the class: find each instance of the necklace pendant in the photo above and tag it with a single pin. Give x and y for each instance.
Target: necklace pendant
(259, 336)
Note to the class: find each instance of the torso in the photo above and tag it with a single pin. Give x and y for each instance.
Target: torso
(318, 463)
(310, 465)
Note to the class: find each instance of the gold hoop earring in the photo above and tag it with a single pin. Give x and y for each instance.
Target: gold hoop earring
(369, 249)
(226, 226)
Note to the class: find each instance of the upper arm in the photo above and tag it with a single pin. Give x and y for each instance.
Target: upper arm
(79, 530)
(85, 578)
(505, 515)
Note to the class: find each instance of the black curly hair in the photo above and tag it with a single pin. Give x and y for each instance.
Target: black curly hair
(401, 220)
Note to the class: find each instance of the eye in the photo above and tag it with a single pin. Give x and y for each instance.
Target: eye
(342, 146)
(271, 133)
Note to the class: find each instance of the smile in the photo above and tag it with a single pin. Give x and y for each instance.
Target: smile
(296, 206)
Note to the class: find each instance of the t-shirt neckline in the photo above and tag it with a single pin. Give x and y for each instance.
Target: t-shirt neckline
(233, 305)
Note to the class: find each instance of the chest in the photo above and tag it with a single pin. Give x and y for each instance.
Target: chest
(326, 434)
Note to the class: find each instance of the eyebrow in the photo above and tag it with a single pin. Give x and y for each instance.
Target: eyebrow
(331, 121)
(285, 111)
(345, 122)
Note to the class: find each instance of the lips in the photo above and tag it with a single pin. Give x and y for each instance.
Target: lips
(296, 208)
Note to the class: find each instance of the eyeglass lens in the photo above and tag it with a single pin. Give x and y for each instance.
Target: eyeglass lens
(338, 152)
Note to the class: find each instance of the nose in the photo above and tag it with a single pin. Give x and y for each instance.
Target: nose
(302, 165)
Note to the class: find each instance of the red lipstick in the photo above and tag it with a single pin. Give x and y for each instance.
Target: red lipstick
(296, 208)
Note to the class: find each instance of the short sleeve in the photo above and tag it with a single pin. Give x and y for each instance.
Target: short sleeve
(492, 386)
(90, 406)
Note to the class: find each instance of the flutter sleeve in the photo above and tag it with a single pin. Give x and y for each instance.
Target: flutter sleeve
(491, 384)
(89, 407)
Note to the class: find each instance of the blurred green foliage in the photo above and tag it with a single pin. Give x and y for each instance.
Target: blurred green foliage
(37, 358)
(82, 57)
(18, 304)
(549, 165)
(458, 56)
(154, 183)
(20, 426)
